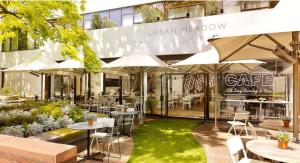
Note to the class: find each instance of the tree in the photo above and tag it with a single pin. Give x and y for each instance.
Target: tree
(56, 21)
(212, 7)
(150, 14)
(98, 22)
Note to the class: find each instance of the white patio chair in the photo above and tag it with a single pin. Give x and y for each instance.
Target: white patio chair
(252, 130)
(235, 145)
(106, 137)
(238, 117)
(187, 101)
(171, 103)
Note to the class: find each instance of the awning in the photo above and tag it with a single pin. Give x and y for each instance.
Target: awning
(267, 38)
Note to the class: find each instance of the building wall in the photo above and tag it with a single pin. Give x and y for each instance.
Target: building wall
(182, 36)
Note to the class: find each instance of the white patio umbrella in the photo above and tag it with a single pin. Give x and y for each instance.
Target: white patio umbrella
(141, 60)
(273, 36)
(35, 64)
(208, 61)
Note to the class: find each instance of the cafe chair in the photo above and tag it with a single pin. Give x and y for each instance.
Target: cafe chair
(237, 121)
(252, 130)
(129, 120)
(187, 101)
(106, 138)
(235, 145)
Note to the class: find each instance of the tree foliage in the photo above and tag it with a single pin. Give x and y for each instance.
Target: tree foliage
(98, 22)
(150, 14)
(43, 20)
(212, 7)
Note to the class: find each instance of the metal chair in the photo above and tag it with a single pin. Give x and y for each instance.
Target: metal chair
(106, 137)
(238, 117)
(187, 101)
(235, 145)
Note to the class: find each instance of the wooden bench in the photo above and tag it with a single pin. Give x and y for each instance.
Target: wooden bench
(15, 149)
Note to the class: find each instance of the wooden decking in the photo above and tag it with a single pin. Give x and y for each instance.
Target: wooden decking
(214, 144)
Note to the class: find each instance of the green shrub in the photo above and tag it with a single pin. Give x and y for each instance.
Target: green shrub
(76, 115)
(57, 112)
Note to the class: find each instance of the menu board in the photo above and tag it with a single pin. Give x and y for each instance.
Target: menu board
(247, 83)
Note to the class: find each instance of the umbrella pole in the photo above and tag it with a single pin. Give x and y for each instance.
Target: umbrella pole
(143, 104)
(215, 128)
(296, 84)
(85, 89)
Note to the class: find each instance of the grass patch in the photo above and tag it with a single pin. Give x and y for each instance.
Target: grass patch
(167, 140)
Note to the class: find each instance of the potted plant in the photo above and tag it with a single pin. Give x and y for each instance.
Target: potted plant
(90, 118)
(283, 139)
(151, 103)
(286, 121)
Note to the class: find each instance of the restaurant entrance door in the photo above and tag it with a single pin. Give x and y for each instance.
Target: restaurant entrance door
(184, 95)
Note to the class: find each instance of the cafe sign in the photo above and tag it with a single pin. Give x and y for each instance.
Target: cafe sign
(247, 83)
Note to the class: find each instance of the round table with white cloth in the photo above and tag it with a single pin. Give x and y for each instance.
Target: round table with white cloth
(269, 149)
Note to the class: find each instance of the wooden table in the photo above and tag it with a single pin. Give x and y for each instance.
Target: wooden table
(269, 149)
(276, 125)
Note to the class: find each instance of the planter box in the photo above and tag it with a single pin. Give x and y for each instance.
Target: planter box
(15, 149)
(62, 135)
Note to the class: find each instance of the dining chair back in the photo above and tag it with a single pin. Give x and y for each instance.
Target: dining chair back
(238, 121)
(235, 145)
(241, 116)
(252, 130)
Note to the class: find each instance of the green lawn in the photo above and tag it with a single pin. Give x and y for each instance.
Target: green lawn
(167, 140)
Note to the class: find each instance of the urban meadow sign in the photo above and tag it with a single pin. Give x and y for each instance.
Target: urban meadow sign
(187, 29)
(246, 83)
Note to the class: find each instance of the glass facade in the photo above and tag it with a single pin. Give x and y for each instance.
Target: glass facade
(120, 17)
(21, 42)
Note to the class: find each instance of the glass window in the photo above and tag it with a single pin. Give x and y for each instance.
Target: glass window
(87, 24)
(138, 18)
(104, 14)
(127, 10)
(254, 5)
(22, 40)
(127, 20)
(196, 11)
(88, 17)
(179, 12)
(6, 45)
(14, 43)
(115, 16)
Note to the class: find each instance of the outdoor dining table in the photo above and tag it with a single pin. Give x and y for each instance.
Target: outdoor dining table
(84, 126)
(269, 149)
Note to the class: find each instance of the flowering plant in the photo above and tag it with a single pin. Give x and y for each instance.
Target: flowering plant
(90, 116)
(283, 136)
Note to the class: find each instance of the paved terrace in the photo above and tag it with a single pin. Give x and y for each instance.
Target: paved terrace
(214, 144)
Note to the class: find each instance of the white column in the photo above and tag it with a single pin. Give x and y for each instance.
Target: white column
(42, 86)
(52, 86)
(145, 90)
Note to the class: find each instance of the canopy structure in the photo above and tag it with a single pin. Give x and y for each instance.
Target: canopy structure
(141, 60)
(273, 36)
(208, 61)
(37, 63)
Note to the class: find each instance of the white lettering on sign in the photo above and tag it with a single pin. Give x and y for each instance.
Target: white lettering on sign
(248, 80)
(187, 29)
